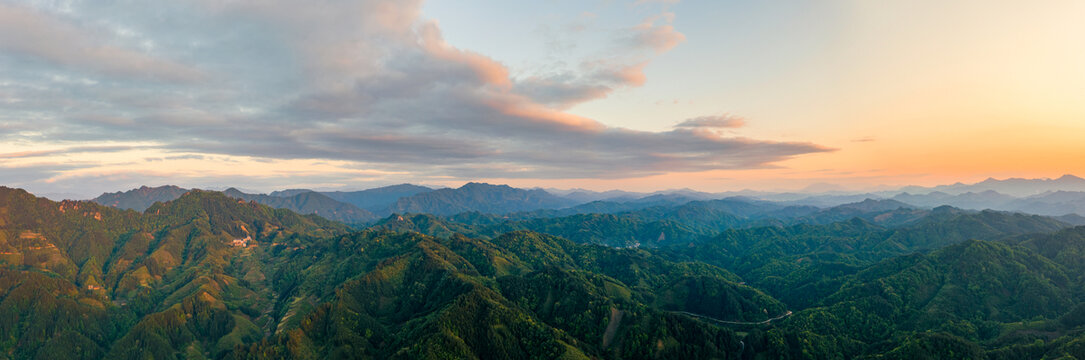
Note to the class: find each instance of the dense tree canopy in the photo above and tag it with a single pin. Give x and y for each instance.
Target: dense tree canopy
(209, 276)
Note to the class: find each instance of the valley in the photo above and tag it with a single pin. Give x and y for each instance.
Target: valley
(220, 275)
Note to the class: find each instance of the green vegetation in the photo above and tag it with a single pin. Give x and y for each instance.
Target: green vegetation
(215, 277)
(302, 202)
(310, 203)
(485, 198)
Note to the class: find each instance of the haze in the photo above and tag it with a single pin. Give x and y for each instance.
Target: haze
(637, 95)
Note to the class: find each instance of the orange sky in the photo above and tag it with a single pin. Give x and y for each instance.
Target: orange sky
(563, 94)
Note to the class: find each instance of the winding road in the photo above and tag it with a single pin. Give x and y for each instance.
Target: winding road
(764, 322)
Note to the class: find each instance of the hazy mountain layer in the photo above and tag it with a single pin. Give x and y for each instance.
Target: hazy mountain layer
(209, 276)
(478, 197)
(140, 199)
(306, 202)
(310, 203)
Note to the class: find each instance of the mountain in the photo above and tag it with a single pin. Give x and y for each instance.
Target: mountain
(82, 280)
(478, 197)
(1052, 203)
(211, 276)
(648, 226)
(208, 276)
(791, 263)
(989, 199)
(1013, 186)
(288, 192)
(883, 211)
(310, 203)
(613, 206)
(301, 202)
(377, 199)
(820, 200)
(1072, 219)
(585, 196)
(140, 199)
(698, 221)
(521, 295)
(1066, 247)
(948, 302)
(687, 193)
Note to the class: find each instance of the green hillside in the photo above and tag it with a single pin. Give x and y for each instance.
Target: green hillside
(207, 276)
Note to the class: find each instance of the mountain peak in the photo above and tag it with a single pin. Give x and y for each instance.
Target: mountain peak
(480, 197)
(478, 185)
(1069, 178)
(140, 199)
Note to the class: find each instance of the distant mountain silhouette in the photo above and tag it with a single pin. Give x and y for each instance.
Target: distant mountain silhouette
(303, 202)
(479, 197)
(377, 199)
(140, 199)
(1013, 186)
(586, 196)
(1053, 203)
(310, 203)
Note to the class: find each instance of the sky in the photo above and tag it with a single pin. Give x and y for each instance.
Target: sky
(639, 95)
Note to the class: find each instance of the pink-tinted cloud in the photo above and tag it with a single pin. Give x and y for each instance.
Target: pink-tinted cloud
(713, 121)
(371, 82)
(596, 80)
(659, 38)
(489, 71)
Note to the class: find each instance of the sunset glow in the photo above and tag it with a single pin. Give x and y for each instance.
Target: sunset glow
(569, 94)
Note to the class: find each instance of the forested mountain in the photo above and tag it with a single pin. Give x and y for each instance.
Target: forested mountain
(81, 280)
(522, 295)
(695, 221)
(373, 200)
(586, 196)
(606, 207)
(791, 262)
(377, 199)
(310, 203)
(140, 199)
(942, 305)
(479, 197)
(210, 276)
(305, 202)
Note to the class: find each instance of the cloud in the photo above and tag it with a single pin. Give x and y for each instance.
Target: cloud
(35, 173)
(367, 84)
(40, 36)
(650, 35)
(69, 150)
(713, 121)
(595, 80)
(640, 2)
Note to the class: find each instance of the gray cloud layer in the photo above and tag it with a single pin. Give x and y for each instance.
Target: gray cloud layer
(367, 81)
(713, 121)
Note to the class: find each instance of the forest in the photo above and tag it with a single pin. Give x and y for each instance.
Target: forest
(210, 276)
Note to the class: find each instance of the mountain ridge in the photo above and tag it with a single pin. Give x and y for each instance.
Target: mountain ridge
(480, 197)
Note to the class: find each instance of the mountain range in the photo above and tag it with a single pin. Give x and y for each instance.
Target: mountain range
(1017, 187)
(1051, 197)
(480, 197)
(309, 203)
(140, 199)
(207, 275)
(375, 200)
